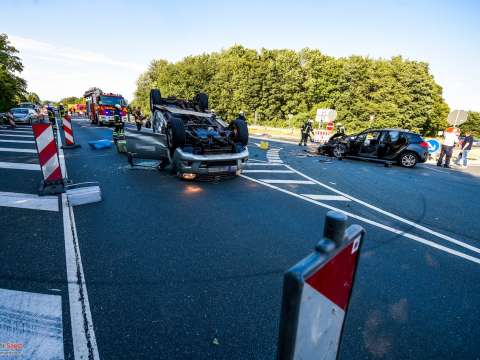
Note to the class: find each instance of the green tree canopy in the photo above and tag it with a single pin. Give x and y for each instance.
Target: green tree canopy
(12, 87)
(276, 83)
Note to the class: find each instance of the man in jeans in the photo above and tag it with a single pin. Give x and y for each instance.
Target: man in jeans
(447, 147)
(466, 147)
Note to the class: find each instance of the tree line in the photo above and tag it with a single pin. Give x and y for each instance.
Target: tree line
(285, 87)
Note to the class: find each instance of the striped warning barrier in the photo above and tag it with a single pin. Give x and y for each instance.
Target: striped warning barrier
(52, 182)
(316, 293)
(68, 131)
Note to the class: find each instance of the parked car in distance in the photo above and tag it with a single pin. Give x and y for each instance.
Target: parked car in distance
(24, 115)
(400, 146)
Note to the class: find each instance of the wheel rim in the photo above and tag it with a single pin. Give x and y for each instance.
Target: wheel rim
(338, 151)
(408, 160)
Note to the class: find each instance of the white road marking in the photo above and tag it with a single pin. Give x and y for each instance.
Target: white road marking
(18, 166)
(326, 197)
(83, 333)
(29, 201)
(18, 141)
(264, 164)
(24, 136)
(16, 131)
(276, 161)
(32, 151)
(391, 215)
(255, 160)
(269, 171)
(371, 222)
(32, 320)
(276, 181)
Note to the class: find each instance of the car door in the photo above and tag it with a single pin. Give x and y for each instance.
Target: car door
(394, 142)
(356, 143)
(148, 143)
(371, 143)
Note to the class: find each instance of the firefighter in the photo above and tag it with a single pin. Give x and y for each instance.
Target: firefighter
(61, 110)
(306, 131)
(241, 116)
(51, 116)
(117, 117)
(137, 114)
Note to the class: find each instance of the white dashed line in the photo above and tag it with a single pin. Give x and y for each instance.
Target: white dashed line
(18, 166)
(276, 181)
(32, 151)
(326, 197)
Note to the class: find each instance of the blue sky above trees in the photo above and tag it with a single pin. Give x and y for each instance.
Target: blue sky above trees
(67, 47)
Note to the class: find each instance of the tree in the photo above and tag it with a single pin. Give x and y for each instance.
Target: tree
(276, 83)
(472, 124)
(33, 98)
(12, 87)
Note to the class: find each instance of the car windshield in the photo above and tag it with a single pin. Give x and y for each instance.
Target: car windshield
(19, 111)
(111, 100)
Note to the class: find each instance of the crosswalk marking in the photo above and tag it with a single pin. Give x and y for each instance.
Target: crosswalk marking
(32, 151)
(264, 164)
(18, 141)
(326, 197)
(269, 171)
(16, 131)
(276, 181)
(29, 201)
(19, 166)
(10, 135)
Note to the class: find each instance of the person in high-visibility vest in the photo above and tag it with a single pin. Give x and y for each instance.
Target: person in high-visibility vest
(117, 117)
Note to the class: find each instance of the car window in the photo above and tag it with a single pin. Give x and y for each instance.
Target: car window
(393, 136)
(413, 138)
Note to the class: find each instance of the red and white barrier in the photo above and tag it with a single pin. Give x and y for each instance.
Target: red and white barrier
(68, 131)
(316, 294)
(321, 136)
(48, 157)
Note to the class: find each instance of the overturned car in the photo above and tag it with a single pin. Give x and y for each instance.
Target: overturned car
(189, 139)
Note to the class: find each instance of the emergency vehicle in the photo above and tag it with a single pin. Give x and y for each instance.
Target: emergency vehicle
(100, 106)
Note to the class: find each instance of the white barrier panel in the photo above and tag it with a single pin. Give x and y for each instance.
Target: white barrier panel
(316, 293)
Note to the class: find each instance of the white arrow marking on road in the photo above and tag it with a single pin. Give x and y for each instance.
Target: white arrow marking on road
(326, 197)
(18, 166)
(29, 201)
(32, 151)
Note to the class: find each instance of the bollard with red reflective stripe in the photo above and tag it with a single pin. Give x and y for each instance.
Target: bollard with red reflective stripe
(316, 293)
(68, 131)
(53, 182)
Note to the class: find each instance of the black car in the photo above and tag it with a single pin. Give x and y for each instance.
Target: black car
(387, 145)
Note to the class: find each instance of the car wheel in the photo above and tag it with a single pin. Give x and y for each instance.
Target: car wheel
(240, 131)
(175, 133)
(339, 151)
(408, 159)
(155, 98)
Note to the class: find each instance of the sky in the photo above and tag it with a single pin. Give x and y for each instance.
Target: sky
(69, 46)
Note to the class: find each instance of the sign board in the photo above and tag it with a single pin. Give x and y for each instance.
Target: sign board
(433, 146)
(330, 126)
(316, 293)
(457, 117)
(325, 115)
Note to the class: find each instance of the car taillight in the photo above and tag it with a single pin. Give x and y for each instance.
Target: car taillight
(424, 144)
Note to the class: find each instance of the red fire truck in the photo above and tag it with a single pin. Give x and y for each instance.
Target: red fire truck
(100, 106)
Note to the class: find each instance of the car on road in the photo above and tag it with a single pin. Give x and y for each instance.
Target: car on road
(24, 115)
(189, 139)
(29, 105)
(400, 146)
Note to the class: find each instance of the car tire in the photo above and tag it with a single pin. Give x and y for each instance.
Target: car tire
(240, 130)
(175, 133)
(408, 159)
(155, 98)
(339, 151)
(202, 100)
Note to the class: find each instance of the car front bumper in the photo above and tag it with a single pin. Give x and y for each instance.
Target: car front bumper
(231, 163)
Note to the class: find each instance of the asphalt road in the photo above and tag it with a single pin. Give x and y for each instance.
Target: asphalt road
(182, 270)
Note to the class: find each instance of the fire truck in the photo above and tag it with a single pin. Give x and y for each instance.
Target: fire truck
(100, 106)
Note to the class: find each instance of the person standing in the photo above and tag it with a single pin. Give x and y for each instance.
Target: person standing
(466, 147)
(117, 116)
(449, 142)
(306, 131)
(138, 118)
